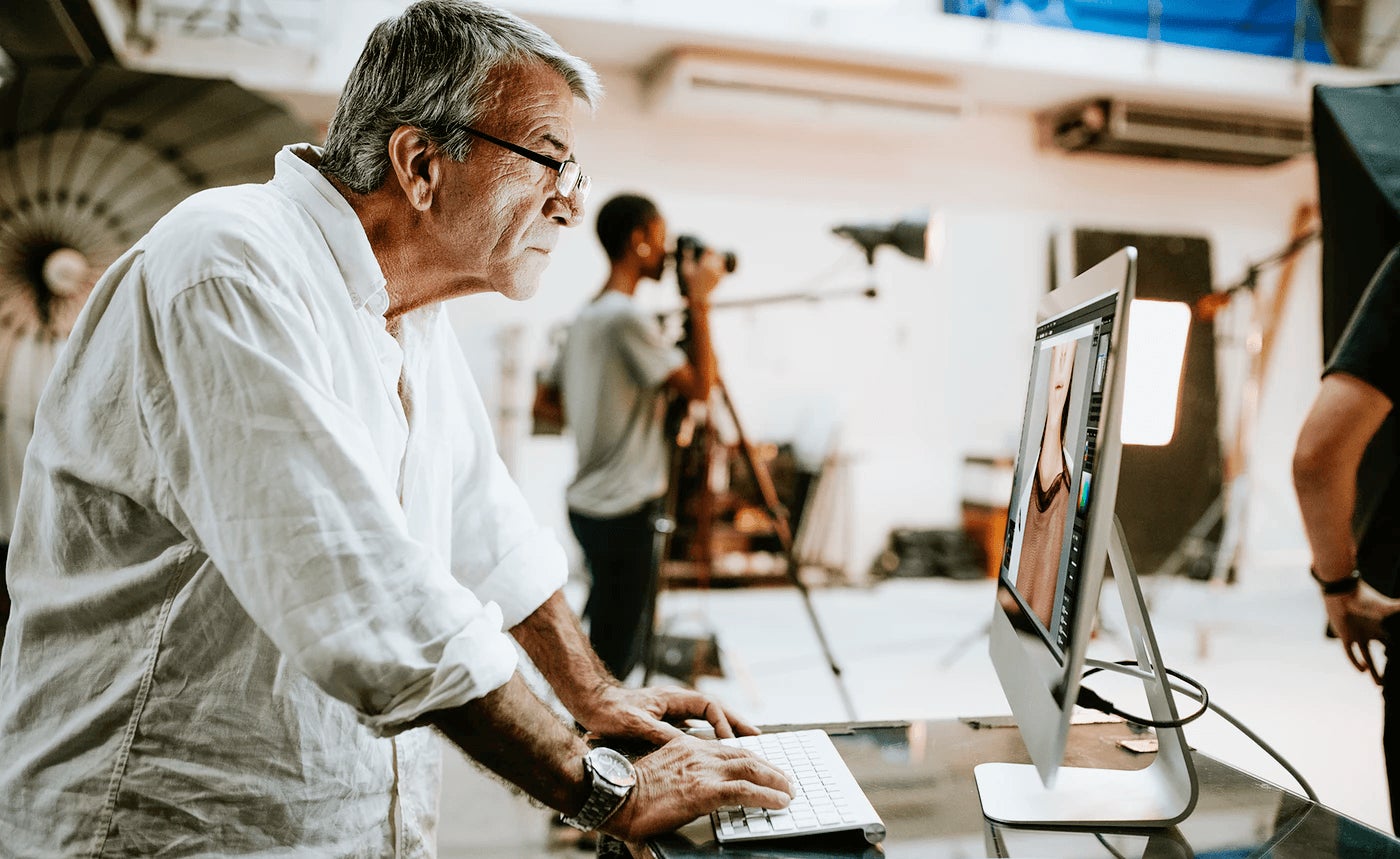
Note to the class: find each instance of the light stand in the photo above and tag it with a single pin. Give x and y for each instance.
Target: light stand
(1228, 510)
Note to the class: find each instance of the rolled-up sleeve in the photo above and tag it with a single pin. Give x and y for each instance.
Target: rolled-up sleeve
(280, 483)
(498, 548)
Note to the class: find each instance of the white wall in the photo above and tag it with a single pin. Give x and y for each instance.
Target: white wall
(933, 368)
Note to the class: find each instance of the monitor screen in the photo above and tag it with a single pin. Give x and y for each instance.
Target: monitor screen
(1053, 488)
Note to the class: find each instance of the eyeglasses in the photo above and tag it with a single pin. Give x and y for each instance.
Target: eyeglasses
(570, 181)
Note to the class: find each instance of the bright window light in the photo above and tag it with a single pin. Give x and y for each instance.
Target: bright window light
(1156, 351)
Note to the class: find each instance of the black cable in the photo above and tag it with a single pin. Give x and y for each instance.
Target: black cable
(1203, 696)
(1091, 700)
(1109, 847)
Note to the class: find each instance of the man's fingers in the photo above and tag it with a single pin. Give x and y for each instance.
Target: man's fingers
(741, 727)
(749, 795)
(656, 731)
(1350, 645)
(765, 774)
(1370, 661)
(736, 763)
(689, 704)
(715, 715)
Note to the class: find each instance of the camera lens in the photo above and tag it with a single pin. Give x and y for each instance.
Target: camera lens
(694, 248)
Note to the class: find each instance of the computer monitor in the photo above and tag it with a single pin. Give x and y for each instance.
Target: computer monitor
(1061, 529)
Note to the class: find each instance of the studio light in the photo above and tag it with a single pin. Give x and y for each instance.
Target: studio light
(1157, 332)
(911, 235)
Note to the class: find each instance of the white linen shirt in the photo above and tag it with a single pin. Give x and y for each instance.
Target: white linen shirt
(241, 568)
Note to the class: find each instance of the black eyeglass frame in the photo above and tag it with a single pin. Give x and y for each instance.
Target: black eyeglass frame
(539, 158)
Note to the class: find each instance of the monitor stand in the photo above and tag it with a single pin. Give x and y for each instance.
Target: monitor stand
(1159, 795)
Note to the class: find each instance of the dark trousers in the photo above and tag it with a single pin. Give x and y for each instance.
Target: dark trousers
(1390, 739)
(4, 591)
(619, 555)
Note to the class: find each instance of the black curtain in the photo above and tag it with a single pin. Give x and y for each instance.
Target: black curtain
(1163, 491)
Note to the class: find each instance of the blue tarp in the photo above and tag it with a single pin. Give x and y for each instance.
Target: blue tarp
(1249, 26)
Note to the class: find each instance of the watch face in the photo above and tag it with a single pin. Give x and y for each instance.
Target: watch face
(614, 767)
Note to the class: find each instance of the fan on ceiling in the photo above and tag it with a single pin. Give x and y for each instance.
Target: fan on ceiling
(92, 156)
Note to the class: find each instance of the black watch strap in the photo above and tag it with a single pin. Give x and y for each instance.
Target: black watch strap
(1345, 585)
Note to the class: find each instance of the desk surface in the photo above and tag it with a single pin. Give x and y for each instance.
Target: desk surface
(919, 778)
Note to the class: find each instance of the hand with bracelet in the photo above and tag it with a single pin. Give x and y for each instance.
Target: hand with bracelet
(1356, 610)
(1343, 419)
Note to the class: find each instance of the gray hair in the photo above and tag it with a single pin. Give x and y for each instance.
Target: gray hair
(427, 68)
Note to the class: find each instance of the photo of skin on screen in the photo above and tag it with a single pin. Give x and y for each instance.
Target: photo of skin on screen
(1046, 496)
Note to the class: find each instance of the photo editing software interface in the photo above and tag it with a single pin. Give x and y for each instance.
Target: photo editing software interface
(1054, 481)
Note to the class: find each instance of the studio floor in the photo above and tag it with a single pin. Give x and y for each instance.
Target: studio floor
(916, 648)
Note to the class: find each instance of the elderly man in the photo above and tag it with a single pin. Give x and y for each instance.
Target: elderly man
(264, 531)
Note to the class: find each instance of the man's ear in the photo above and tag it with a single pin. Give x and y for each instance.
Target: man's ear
(417, 165)
(639, 237)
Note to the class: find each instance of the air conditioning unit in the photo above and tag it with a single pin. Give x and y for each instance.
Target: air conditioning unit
(1124, 127)
(783, 89)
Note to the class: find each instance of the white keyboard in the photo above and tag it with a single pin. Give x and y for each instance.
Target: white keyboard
(828, 797)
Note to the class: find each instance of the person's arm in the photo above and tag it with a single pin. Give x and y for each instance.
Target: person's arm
(555, 642)
(1343, 418)
(278, 481)
(694, 379)
(512, 733)
(547, 412)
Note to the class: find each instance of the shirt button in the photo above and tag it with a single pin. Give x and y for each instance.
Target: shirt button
(378, 303)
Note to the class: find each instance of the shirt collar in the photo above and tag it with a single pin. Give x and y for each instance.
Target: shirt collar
(295, 173)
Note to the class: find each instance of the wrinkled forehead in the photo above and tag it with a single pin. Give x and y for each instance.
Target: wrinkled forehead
(529, 103)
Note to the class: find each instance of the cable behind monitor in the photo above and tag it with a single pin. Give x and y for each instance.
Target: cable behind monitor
(1196, 691)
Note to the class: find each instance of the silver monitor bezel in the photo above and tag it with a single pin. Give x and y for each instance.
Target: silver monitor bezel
(1042, 715)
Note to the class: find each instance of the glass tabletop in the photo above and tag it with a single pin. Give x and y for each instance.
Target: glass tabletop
(918, 775)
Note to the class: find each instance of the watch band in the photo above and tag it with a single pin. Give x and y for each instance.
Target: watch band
(604, 797)
(1345, 585)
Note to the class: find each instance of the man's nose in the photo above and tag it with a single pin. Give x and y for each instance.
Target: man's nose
(564, 211)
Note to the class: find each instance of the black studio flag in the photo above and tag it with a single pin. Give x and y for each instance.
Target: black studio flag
(1356, 134)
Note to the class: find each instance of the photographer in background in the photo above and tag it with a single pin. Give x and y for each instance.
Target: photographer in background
(611, 378)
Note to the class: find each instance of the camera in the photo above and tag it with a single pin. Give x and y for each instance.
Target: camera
(690, 246)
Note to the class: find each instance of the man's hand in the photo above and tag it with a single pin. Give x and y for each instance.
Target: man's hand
(644, 714)
(702, 275)
(687, 778)
(1356, 618)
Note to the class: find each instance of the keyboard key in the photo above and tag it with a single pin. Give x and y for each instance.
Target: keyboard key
(760, 825)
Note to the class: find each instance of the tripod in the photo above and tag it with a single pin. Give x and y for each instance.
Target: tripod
(690, 431)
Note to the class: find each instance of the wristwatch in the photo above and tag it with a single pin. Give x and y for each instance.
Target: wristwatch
(613, 778)
(1345, 585)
